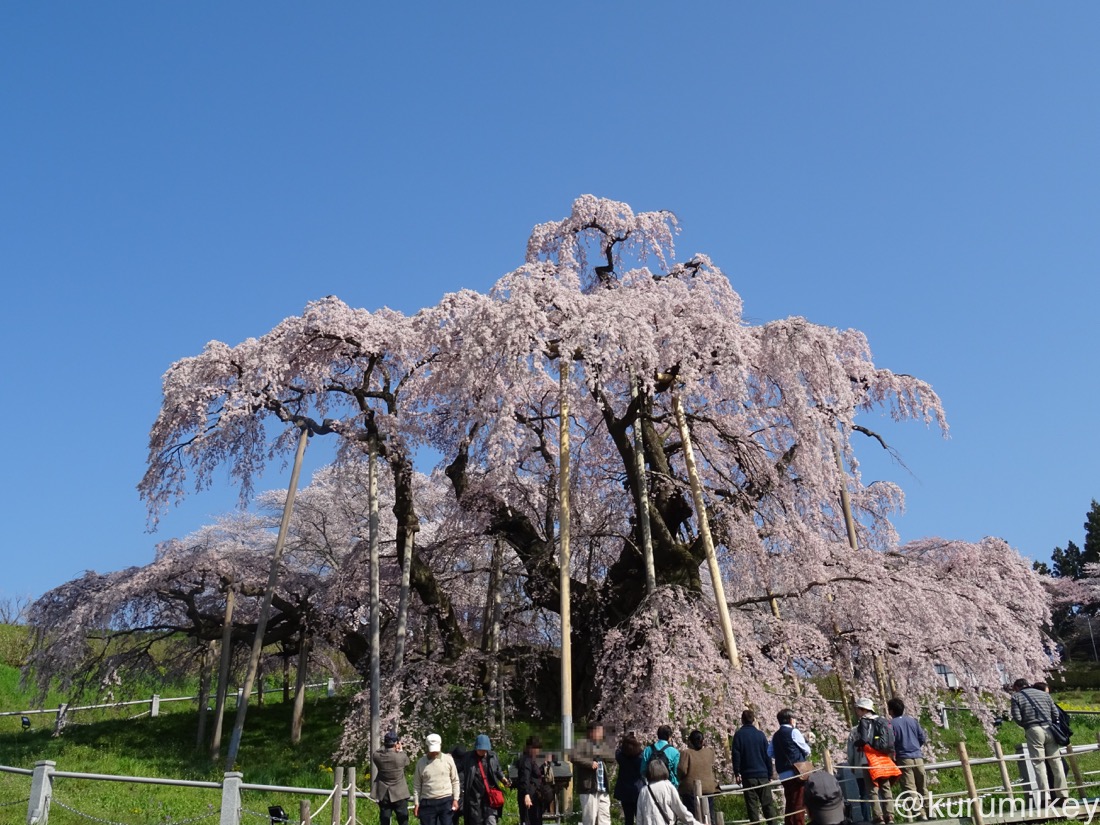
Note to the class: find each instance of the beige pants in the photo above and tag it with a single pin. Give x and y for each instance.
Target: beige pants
(1045, 751)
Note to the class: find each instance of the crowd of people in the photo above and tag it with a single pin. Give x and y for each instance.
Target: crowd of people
(656, 783)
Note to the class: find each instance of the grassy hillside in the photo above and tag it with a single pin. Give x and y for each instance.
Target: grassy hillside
(165, 747)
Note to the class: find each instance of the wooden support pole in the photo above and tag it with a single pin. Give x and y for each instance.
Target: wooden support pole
(338, 796)
(1006, 781)
(351, 795)
(827, 759)
(971, 788)
(304, 813)
(704, 533)
(223, 672)
(700, 810)
(375, 598)
(564, 580)
(265, 608)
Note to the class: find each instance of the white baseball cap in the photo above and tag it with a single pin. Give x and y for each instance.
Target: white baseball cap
(435, 744)
(865, 704)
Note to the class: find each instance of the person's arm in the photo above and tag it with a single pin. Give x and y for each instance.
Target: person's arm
(418, 786)
(800, 740)
(456, 784)
(922, 737)
(735, 756)
(679, 810)
(682, 765)
(1016, 712)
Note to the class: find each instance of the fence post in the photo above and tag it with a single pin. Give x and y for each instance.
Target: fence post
(351, 794)
(154, 706)
(942, 708)
(331, 687)
(971, 788)
(38, 807)
(998, 751)
(1027, 773)
(304, 812)
(697, 793)
(231, 799)
(827, 758)
(721, 817)
(1078, 778)
(337, 796)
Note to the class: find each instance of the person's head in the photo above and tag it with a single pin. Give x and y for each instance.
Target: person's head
(785, 717)
(1019, 685)
(595, 730)
(656, 770)
(695, 740)
(748, 717)
(482, 744)
(533, 745)
(434, 745)
(896, 707)
(664, 733)
(390, 739)
(864, 707)
(1043, 686)
(631, 745)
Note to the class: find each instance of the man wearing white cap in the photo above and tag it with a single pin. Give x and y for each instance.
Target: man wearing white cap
(878, 769)
(436, 787)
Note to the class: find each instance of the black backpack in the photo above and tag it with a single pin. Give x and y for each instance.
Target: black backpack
(660, 755)
(882, 736)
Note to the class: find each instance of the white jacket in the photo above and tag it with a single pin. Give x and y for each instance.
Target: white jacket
(659, 803)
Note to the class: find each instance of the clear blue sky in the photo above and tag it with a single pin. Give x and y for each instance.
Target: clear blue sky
(172, 173)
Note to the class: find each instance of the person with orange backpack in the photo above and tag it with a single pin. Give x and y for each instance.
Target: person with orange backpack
(871, 744)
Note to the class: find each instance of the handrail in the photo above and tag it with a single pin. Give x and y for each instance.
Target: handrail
(141, 780)
(162, 700)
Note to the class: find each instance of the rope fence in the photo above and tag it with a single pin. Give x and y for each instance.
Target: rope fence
(154, 702)
(987, 786)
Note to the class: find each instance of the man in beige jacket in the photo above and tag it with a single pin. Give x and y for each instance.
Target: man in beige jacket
(436, 787)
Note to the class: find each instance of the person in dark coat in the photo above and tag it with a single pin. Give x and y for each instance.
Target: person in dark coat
(459, 755)
(390, 788)
(528, 782)
(479, 772)
(752, 768)
(629, 781)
